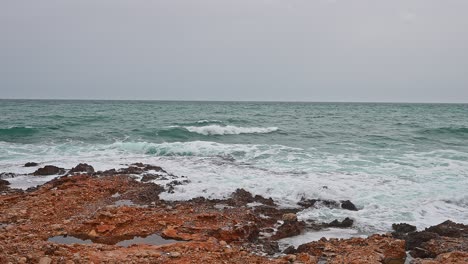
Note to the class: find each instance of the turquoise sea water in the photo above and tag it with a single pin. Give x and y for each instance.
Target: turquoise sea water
(397, 162)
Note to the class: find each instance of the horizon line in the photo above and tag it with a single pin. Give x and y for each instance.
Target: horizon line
(233, 101)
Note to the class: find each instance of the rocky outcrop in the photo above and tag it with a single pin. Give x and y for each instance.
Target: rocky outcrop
(82, 168)
(346, 223)
(4, 185)
(343, 204)
(135, 169)
(31, 164)
(49, 170)
(436, 240)
(242, 197)
(107, 209)
(375, 249)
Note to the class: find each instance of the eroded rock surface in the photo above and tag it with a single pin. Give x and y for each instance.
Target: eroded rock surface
(105, 208)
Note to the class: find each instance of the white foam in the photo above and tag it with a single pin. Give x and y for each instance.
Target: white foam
(229, 130)
(422, 188)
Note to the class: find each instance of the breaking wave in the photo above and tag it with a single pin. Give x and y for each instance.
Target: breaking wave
(229, 130)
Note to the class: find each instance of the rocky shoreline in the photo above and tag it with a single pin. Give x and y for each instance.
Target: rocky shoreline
(102, 217)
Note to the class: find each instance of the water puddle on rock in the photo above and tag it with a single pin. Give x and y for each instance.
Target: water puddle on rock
(153, 239)
(124, 203)
(69, 240)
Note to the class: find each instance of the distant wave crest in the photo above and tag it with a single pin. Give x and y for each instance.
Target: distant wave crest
(229, 130)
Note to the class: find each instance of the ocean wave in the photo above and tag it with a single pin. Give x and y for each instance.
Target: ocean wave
(229, 130)
(201, 149)
(205, 121)
(17, 131)
(447, 131)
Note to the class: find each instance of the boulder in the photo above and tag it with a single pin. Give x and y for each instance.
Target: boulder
(49, 170)
(31, 164)
(82, 168)
(403, 228)
(289, 229)
(348, 205)
(344, 204)
(346, 223)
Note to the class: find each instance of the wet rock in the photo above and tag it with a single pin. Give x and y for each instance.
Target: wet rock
(4, 185)
(344, 204)
(263, 200)
(82, 168)
(306, 203)
(289, 229)
(49, 170)
(403, 228)
(5, 175)
(241, 197)
(416, 239)
(439, 239)
(4, 182)
(289, 250)
(171, 186)
(31, 164)
(449, 229)
(348, 205)
(270, 247)
(346, 223)
(150, 177)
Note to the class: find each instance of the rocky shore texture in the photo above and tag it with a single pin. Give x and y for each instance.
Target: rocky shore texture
(85, 216)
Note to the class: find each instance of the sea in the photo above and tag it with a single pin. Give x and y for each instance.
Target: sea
(395, 162)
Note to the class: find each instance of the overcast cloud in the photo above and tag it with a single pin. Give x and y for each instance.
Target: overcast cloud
(299, 50)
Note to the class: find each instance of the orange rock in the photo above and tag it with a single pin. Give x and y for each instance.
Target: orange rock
(105, 228)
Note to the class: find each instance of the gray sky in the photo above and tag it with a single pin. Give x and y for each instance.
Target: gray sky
(300, 50)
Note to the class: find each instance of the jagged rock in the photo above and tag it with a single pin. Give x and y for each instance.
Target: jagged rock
(449, 229)
(416, 239)
(49, 170)
(306, 203)
(435, 240)
(149, 177)
(454, 257)
(82, 168)
(289, 217)
(347, 222)
(289, 250)
(374, 249)
(242, 197)
(4, 182)
(344, 204)
(289, 229)
(31, 164)
(403, 228)
(4, 185)
(270, 247)
(348, 205)
(263, 200)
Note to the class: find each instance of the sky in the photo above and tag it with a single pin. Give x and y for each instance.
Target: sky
(253, 50)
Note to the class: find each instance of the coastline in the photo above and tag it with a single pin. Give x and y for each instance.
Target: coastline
(101, 209)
